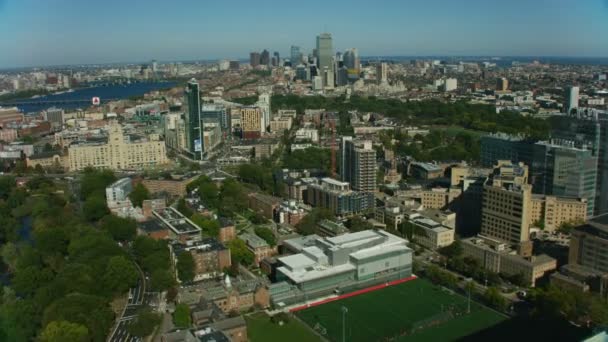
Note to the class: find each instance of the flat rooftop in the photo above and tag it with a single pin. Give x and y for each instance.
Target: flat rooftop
(314, 260)
(175, 221)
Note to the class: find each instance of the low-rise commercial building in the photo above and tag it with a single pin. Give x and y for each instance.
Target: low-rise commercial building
(210, 256)
(430, 233)
(552, 212)
(258, 246)
(237, 295)
(174, 187)
(263, 204)
(180, 227)
(496, 256)
(425, 170)
(49, 160)
(336, 195)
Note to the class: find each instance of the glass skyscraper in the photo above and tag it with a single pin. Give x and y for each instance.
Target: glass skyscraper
(194, 140)
(296, 56)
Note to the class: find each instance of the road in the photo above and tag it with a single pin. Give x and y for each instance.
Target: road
(138, 299)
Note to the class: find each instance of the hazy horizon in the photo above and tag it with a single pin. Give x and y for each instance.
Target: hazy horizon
(71, 32)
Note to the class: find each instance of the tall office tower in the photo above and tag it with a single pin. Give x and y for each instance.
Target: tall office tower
(328, 78)
(506, 203)
(569, 171)
(588, 128)
(325, 52)
(254, 59)
(502, 84)
(589, 244)
(265, 57)
(154, 66)
(358, 164)
(351, 60)
(301, 72)
(295, 56)
(342, 76)
(571, 97)
(264, 105)
(276, 59)
(194, 140)
(382, 73)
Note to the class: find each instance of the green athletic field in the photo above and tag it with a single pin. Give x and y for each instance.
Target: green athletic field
(261, 329)
(412, 311)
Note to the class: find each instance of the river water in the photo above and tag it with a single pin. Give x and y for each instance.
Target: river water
(118, 91)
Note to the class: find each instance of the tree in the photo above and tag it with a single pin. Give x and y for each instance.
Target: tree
(185, 267)
(356, 224)
(95, 208)
(19, 319)
(161, 280)
(144, 324)
(7, 184)
(239, 253)
(493, 298)
(120, 275)
(27, 280)
(231, 198)
(183, 208)
(139, 194)
(63, 331)
(181, 316)
(267, 235)
(308, 225)
(121, 229)
(453, 250)
(95, 182)
(209, 194)
(210, 227)
(91, 311)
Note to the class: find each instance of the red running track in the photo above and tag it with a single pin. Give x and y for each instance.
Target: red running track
(352, 294)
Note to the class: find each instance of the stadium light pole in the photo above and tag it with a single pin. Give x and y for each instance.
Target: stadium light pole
(344, 311)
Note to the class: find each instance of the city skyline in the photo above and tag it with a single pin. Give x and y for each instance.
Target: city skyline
(70, 32)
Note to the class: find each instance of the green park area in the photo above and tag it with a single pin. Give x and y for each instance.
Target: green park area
(412, 311)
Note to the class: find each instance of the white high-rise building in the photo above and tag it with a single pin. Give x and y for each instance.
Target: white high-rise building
(382, 73)
(317, 83)
(571, 99)
(450, 84)
(264, 105)
(328, 78)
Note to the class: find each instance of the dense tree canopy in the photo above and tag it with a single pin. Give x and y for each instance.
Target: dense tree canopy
(267, 235)
(239, 253)
(144, 324)
(139, 194)
(121, 229)
(185, 267)
(63, 271)
(63, 331)
(431, 112)
(209, 226)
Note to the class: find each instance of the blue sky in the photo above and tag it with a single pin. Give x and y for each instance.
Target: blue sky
(52, 32)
